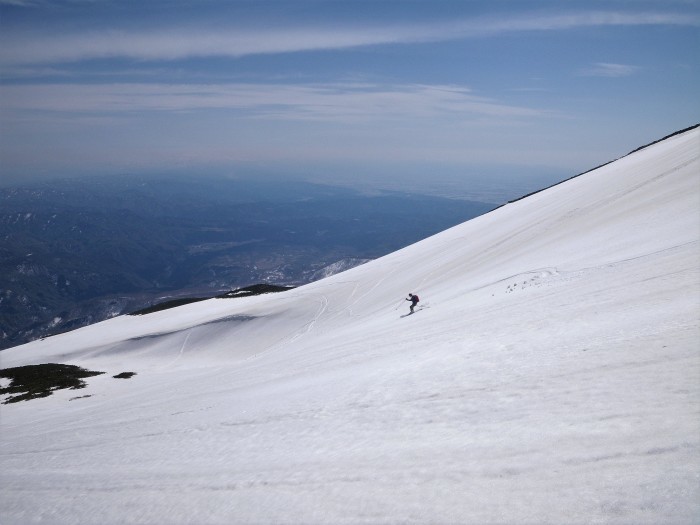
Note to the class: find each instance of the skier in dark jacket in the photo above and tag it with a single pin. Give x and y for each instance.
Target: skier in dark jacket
(414, 300)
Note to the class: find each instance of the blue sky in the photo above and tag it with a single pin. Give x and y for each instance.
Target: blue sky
(368, 90)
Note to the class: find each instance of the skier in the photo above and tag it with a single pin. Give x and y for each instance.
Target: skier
(414, 300)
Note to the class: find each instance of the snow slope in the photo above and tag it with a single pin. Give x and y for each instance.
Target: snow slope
(554, 378)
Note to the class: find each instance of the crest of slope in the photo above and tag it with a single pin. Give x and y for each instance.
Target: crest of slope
(556, 343)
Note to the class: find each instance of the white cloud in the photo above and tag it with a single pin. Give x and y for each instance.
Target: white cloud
(319, 102)
(171, 44)
(19, 3)
(129, 125)
(605, 69)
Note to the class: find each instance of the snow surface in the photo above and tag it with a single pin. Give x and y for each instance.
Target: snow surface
(554, 378)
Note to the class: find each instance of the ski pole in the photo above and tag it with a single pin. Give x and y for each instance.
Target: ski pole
(397, 306)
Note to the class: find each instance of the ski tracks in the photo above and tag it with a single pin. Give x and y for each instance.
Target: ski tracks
(182, 348)
(323, 309)
(522, 280)
(309, 326)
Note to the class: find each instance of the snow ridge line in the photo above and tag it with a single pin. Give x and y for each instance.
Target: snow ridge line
(680, 132)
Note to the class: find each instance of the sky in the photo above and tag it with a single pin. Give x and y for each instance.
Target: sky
(388, 91)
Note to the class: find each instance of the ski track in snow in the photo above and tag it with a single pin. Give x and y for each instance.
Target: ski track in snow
(182, 348)
(323, 301)
(555, 378)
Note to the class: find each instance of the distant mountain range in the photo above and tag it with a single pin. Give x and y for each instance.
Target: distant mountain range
(78, 251)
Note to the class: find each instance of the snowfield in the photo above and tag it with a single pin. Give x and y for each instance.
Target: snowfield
(553, 378)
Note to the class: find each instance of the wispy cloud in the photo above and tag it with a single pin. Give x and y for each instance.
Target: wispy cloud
(18, 3)
(605, 69)
(319, 102)
(174, 44)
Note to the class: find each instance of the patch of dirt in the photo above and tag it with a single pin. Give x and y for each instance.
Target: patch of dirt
(35, 381)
